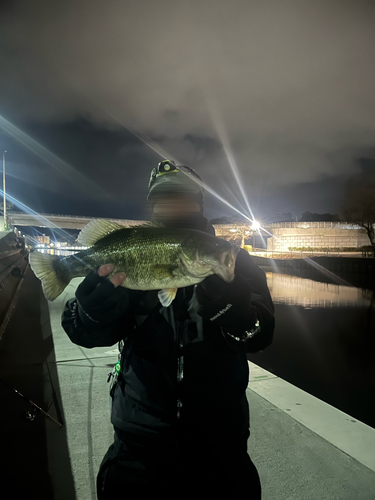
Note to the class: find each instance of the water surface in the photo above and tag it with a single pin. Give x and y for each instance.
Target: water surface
(324, 342)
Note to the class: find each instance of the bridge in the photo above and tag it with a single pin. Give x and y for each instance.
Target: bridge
(79, 221)
(59, 221)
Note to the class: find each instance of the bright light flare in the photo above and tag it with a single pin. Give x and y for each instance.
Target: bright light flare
(30, 211)
(223, 136)
(166, 156)
(85, 183)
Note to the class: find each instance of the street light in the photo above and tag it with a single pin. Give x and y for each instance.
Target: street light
(255, 226)
(4, 197)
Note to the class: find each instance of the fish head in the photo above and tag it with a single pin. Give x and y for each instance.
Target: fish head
(204, 254)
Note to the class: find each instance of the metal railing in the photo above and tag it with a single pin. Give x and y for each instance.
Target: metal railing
(316, 225)
(36, 216)
(292, 254)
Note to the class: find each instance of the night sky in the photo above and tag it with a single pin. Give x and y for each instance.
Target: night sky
(283, 90)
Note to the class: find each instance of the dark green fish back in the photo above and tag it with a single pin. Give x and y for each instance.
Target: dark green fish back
(148, 256)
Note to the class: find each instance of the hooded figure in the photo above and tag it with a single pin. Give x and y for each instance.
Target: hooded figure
(177, 197)
(179, 406)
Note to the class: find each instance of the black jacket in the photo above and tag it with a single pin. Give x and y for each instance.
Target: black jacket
(164, 344)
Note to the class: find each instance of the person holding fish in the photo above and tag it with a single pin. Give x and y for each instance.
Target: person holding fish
(185, 307)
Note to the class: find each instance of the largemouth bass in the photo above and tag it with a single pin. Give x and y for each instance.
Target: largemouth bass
(153, 257)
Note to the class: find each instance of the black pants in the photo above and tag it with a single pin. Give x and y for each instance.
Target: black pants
(193, 465)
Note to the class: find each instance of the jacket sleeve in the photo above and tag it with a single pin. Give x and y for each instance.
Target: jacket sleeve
(262, 301)
(84, 331)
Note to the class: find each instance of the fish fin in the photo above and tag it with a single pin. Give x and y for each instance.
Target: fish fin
(95, 230)
(166, 296)
(42, 266)
(147, 224)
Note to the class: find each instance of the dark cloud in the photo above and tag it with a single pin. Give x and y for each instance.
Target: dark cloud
(113, 161)
(289, 83)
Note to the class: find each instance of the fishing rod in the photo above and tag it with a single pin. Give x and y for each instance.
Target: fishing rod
(31, 416)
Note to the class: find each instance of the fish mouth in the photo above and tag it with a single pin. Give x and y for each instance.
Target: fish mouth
(227, 264)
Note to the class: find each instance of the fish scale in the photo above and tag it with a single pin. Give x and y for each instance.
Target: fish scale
(130, 253)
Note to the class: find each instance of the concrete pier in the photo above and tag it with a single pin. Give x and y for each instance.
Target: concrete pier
(303, 448)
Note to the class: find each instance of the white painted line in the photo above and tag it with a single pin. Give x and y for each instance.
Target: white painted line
(343, 431)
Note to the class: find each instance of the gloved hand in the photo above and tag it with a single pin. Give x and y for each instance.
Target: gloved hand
(101, 300)
(226, 304)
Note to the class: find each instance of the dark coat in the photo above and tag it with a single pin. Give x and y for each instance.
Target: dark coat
(171, 356)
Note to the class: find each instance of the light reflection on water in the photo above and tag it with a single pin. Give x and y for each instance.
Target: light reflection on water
(324, 342)
(293, 290)
(56, 251)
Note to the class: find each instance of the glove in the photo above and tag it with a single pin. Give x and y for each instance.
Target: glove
(226, 304)
(99, 301)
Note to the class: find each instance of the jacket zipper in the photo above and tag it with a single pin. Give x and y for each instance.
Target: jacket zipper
(180, 365)
(180, 368)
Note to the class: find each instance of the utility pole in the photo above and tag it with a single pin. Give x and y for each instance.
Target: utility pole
(4, 196)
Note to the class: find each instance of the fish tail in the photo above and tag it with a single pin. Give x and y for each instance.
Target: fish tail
(48, 269)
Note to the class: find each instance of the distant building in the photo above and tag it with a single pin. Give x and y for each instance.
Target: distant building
(285, 236)
(315, 234)
(43, 239)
